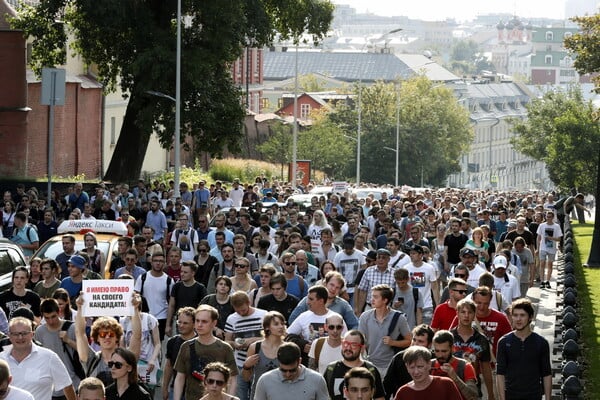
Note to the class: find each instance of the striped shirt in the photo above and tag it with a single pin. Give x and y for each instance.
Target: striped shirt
(244, 327)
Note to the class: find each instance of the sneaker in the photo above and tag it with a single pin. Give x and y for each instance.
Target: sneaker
(542, 285)
(548, 285)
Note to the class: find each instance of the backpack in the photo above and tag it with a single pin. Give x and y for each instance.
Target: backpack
(74, 357)
(393, 323)
(169, 281)
(415, 293)
(318, 347)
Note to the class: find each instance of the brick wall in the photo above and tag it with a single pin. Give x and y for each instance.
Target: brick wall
(77, 133)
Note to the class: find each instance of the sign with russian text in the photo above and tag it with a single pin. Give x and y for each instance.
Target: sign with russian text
(107, 297)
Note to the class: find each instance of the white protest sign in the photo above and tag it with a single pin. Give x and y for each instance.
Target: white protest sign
(107, 297)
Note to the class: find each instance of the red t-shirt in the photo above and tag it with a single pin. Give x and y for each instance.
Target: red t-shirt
(494, 326)
(468, 372)
(441, 388)
(443, 316)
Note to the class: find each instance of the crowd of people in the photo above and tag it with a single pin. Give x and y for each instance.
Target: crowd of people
(408, 296)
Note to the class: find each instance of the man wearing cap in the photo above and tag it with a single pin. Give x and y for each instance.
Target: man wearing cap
(348, 262)
(73, 283)
(468, 258)
(505, 283)
(423, 277)
(379, 274)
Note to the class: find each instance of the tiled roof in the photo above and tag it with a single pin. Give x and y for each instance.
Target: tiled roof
(349, 67)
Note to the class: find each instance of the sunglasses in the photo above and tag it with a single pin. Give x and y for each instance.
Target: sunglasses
(336, 327)
(460, 276)
(241, 266)
(202, 250)
(461, 291)
(217, 382)
(289, 263)
(116, 364)
(353, 345)
(105, 334)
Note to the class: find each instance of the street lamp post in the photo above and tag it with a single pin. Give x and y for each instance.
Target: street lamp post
(358, 136)
(177, 144)
(295, 127)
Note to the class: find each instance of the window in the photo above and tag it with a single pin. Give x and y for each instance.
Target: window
(549, 35)
(304, 110)
(264, 103)
(548, 60)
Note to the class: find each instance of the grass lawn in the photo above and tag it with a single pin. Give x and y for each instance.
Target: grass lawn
(588, 290)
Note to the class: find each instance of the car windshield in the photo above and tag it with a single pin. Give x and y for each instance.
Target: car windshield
(53, 248)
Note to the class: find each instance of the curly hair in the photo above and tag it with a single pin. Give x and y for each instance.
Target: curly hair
(106, 323)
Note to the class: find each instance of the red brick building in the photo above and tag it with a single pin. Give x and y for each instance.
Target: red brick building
(24, 122)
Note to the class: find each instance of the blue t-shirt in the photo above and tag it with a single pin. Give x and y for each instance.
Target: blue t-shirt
(25, 235)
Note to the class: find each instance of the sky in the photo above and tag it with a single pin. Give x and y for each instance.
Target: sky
(461, 10)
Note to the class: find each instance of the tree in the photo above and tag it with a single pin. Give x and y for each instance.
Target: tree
(278, 148)
(434, 131)
(325, 145)
(133, 46)
(586, 43)
(467, 58)
(560, 130)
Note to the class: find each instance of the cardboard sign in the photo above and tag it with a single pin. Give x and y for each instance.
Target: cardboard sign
(107, 297)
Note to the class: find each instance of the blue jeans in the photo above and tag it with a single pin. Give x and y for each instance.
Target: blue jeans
(243, 387)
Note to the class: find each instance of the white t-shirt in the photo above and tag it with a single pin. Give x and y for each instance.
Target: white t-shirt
(149, 322)
(187, 241)
(18, 394)
(155, 293)
(312, 326)
(510, 289)
(544, 231)
(348, 266)
(327, 355)
(421, 278)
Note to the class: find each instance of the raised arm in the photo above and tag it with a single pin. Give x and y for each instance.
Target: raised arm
(80, 336)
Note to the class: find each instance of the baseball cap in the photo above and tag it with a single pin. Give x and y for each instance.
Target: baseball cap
(77, 260)
(467, 252)
(417, 248)
(499, 262)
(371, 255)
(384, 252)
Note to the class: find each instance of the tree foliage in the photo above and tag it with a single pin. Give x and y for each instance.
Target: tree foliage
(278, 148)
(586, 45)
(434, 131)
(560, 130)
(467, 58)
(324, 143)
(133, 45)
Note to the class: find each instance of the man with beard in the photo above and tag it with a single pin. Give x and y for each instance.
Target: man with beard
(352, 348)
(457, 369)
(523, 358)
